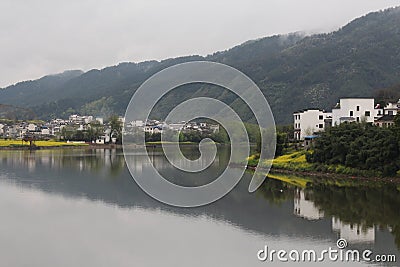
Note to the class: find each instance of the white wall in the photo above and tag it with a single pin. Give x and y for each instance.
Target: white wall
(392, 109)
(355, 109)
(309, 121)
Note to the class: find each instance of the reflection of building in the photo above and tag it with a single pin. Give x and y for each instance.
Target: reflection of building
(305, 208)
(355, 233)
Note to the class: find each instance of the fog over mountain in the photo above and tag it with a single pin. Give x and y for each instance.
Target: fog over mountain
(293, 71)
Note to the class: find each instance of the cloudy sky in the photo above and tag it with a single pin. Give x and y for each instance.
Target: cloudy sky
(50, 36)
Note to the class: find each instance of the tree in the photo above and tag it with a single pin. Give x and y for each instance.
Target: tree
(359, 146)
(116, 128)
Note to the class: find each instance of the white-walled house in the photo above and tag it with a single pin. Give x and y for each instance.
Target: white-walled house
(355, 110)
(392, 108)
(100, 120)
(45, 131)
(310, 121)
(32, 127)
(137, 123)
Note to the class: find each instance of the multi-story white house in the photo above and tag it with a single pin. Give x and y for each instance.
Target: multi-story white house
(355, 110)
(310, 121)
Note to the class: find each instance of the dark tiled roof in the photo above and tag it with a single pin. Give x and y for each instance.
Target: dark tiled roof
(307, 109)
(386, 118)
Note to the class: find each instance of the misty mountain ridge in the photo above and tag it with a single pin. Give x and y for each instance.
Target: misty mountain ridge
(293, 71)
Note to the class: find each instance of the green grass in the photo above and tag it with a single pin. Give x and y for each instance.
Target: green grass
(296, 161)
(20, 143)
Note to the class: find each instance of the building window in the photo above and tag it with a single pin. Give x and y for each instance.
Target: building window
(379, 112)
(367, 113)
(358, 108)
(321, 126)
(321, 117)
(358, 119)
(390, 112)
(351, 113)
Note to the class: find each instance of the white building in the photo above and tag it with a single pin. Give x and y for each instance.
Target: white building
(45, 131)
(137, 123)
(32, 127)
(354, 233)
(177, 126)
(392, 108)
(310, 121)
(88, 119)
(100, 120)
(355, 110)
(153, 129)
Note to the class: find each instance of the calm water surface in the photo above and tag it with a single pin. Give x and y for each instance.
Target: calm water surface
(82, 208)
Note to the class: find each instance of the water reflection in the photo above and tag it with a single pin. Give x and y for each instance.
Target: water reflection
(354, 233)
(304, 207)
(93, 160)
(367, 215)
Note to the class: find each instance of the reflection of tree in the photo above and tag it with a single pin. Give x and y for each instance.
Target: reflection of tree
(276, 192)
(117, 163)
(363, 204)
(94, 161)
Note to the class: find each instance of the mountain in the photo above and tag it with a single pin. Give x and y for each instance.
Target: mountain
(294, 71)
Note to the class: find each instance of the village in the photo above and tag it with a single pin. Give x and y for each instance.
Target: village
(308, 122)
(103, 132)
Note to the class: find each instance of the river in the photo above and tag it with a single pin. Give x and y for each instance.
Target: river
(81, 207)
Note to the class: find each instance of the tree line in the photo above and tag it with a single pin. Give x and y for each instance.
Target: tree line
(361, 146)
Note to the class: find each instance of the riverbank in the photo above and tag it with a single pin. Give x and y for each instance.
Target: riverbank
(38, 145)
(295, 163)
(20, 145)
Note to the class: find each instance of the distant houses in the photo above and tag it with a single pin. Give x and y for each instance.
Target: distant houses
(309, 122)
(155, 126)
(57, 128)
(44, 130)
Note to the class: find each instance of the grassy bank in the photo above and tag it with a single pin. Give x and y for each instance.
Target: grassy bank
(20, 143)
(296, 161)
